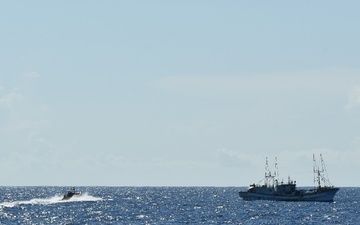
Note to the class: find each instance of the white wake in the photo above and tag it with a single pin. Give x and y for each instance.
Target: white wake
(52, 200)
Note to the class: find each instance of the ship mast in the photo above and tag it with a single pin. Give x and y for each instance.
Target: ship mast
(316, 172)
(276, 169)
(320, 175)
(267, 173)
(269, 177)
(325, 177)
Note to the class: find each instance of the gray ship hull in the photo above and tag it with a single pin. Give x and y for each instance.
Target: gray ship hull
(319, 195)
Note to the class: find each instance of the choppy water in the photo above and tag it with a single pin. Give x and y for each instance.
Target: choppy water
(167, 205)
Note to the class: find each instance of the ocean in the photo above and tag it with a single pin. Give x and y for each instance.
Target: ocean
(168, 205)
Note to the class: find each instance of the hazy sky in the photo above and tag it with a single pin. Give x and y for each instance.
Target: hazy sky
(178, 92)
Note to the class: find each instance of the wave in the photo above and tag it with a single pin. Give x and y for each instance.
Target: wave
(85, 197)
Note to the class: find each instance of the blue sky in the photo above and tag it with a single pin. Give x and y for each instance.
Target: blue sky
(165, 93)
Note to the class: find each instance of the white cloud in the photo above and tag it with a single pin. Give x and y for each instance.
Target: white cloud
(353, 98)
(291, 158)
(25, 123)
(32, 75)
(177, 163)
(317, 80)
(20, 125)
(9, 99)
(231, 158)
(297, 164)
(35, 139)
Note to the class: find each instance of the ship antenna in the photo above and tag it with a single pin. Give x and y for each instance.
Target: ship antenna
(276, 169)
(267, 172)
(316, 173)
(266, 166)
(314, 165)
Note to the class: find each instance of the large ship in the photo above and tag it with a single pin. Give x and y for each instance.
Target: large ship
(272, 189)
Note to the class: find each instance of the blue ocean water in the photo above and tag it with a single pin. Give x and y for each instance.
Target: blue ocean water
(168, 205)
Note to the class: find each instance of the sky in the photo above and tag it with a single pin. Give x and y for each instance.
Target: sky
(178, 93)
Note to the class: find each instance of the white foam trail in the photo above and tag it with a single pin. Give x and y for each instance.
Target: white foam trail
(52, 200)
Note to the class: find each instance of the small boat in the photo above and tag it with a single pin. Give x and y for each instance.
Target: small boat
(71, 193)
(274, 190)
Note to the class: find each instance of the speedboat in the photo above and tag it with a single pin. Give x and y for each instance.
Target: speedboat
(71, 193)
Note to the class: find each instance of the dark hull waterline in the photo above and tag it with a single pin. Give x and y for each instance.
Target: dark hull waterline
(316, 196)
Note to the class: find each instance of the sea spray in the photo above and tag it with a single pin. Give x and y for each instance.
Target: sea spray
(52, 200)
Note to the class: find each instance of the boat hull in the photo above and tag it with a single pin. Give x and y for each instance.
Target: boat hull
(326, 195)
(70, 195)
